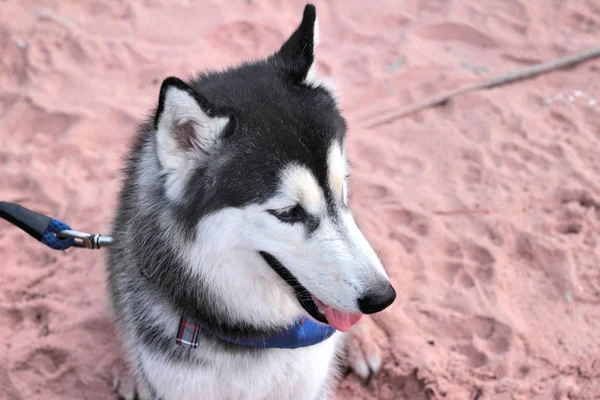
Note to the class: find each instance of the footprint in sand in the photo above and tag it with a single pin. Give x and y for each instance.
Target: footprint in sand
(409, 167)
(561, 123)
(450, 270)
(465, 280)
(475, 358)
(408, 227)
(467, 265)
(25, 120)
(14, 67)
(49, 362)
(473, 162)
(575, 216)
(490, 341)
(408, 243)
(478, 115)
(11, 317)
(7, 100)
(483, 263)
(414, 221)
(550, 261)
(373, 191)
(496, 336)
(527, 156)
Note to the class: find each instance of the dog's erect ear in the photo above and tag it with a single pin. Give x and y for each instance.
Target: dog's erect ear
(188, 130)
(185, 121)
(298, 52)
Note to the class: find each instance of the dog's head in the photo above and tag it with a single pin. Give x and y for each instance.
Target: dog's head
(255, 159)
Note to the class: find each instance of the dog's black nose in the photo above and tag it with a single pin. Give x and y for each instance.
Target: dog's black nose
(375, 301)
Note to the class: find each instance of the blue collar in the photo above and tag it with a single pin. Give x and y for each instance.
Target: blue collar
(302, 333)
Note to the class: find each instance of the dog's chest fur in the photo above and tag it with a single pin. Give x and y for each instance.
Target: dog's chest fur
(306, 373)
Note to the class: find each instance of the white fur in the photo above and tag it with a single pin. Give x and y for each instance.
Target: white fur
(282, 374)
(336, 264)
(338, 169)
(179, 108)
(250, 291)
(299, 186)
(316, 34)
(312, 79)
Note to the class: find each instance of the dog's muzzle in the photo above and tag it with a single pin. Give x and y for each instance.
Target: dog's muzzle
(302, 294)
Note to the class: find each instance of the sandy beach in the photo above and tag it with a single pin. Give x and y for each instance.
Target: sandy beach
(485, 211)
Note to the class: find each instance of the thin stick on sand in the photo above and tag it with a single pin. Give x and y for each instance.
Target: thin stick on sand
(499, 80)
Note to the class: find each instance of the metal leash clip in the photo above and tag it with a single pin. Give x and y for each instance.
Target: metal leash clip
(87, 240)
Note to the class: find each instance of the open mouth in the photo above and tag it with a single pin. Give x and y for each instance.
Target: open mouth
(340, 320)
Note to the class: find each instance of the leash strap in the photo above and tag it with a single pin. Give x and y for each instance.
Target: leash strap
(53, 233)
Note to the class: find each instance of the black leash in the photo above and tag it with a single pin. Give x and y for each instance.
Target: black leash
(53, 233)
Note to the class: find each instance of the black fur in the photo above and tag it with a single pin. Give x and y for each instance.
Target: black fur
(172, 81)
(298, 51)
(275, 119)
(288, 122)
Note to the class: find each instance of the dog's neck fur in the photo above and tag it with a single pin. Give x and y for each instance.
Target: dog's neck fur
(261, 302)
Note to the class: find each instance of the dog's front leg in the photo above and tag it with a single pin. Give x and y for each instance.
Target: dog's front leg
(127, 387)
(365, 346)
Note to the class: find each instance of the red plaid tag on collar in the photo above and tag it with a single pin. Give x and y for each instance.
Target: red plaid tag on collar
(188, 333)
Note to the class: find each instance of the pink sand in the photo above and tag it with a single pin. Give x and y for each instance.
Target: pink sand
(486, 211)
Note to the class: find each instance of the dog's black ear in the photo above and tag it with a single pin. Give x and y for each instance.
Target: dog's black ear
(298, 52)
(188, 128)
(185, 120)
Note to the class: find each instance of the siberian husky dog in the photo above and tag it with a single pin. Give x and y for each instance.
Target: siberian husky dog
(238, 266)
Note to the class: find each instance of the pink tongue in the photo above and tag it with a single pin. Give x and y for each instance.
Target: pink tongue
(342, 321)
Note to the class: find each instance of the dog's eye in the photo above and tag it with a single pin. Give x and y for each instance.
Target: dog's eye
(292, 214)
